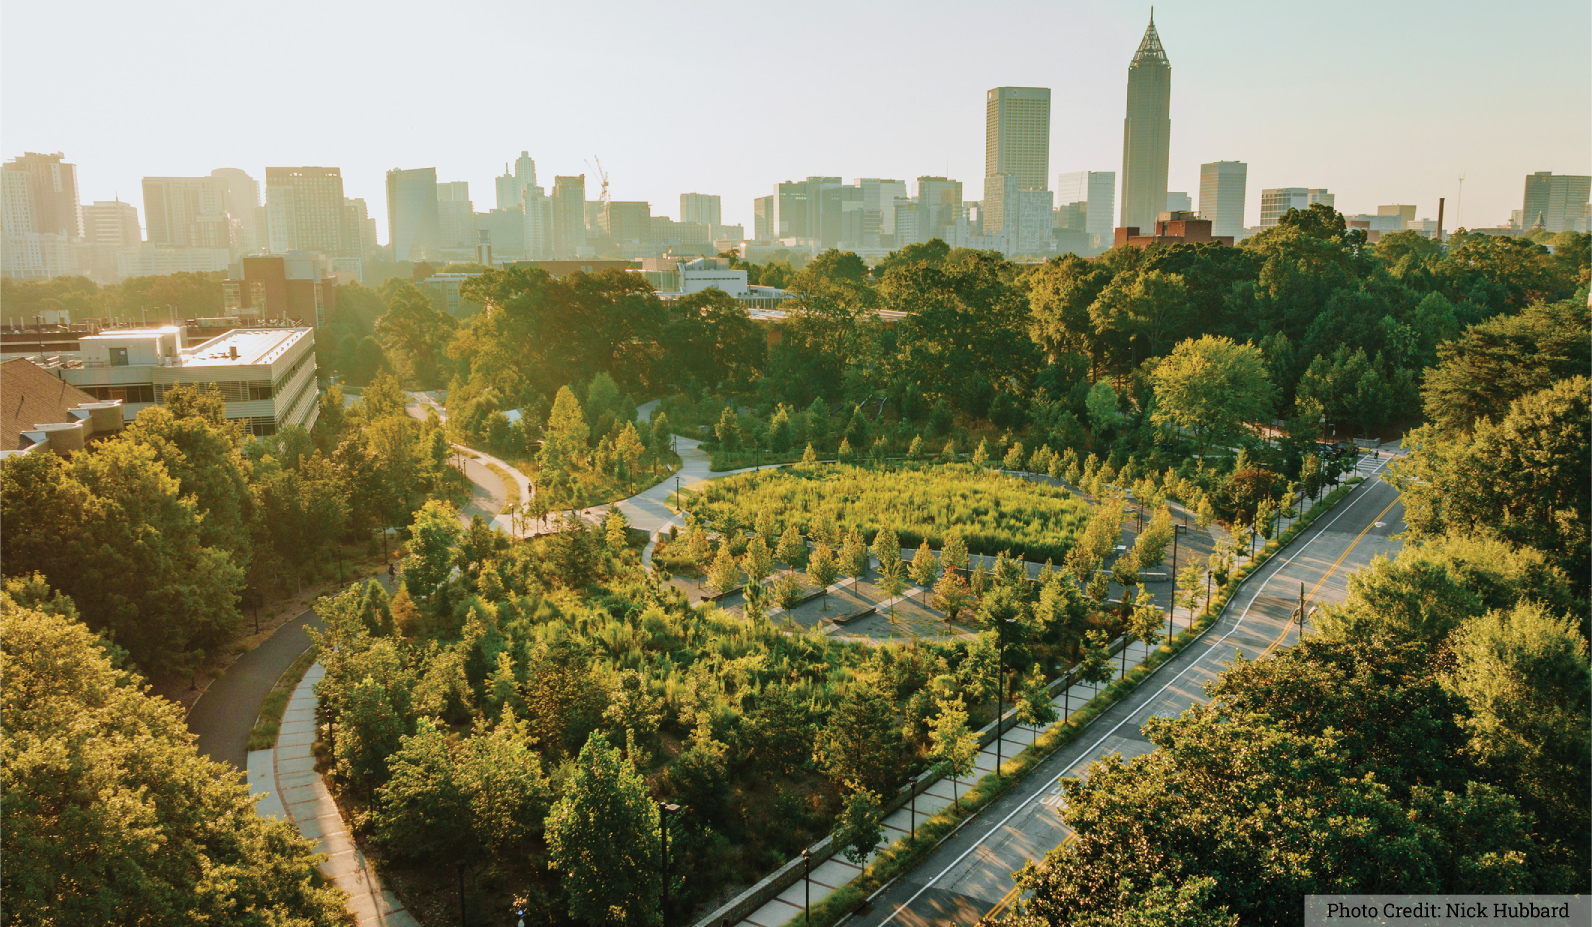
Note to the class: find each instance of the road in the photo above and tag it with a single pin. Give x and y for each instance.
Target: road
(971, 874)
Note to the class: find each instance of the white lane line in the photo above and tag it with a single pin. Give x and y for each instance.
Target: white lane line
(1046, 787)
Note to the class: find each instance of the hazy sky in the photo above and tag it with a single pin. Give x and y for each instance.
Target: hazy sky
(1381, 102)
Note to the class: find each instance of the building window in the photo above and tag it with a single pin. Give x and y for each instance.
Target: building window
(259, 391)
(118, 357)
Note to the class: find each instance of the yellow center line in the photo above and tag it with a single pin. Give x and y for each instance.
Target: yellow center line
(1330, 570)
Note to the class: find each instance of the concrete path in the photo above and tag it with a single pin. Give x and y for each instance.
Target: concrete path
(290, 787)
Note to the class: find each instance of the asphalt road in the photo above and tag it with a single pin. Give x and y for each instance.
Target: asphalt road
(971, 874)
(225, 713)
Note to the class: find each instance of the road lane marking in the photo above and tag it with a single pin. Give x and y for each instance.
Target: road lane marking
(1320, 533)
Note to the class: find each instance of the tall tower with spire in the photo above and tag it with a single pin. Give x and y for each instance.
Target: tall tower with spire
(1146, 132)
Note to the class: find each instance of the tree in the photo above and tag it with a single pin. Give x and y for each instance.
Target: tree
(421, 813)
(1013, 460)
(193, 440)
(113, 530)
(563, 444)
(1034, 705)
(758, 562)
(1149, 550)
(822, 569)
(602, 836)
(951, 595)
(616, 531)
(925, 569)
(1190, 589)
(728, 430)
(887, 549)
(709, 334)
(781, 729)
(724, 574)
(415, 334)
(981, 454)
(955, 748)
(1211, 386)
(953, 555)
(1524, 675)
(431, 552)
(915, 449)
(792, 550)
(854, 555)
(1095, 665)
(860, 746)
(859, 827)
(1103, 406)
(501, 776)
(1503, 359)
(110, 808)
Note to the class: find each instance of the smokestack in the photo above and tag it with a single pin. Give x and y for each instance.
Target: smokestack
(1439, 220)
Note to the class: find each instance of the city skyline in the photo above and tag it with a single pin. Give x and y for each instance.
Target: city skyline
(1435, 98)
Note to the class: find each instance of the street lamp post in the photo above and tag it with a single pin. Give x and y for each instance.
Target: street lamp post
(1000, 691)
(1172, 611)
(667, 811)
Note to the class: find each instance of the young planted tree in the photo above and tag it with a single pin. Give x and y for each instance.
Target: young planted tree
(616, 531)
(822, 569)
(766, 527)
(859, 827)
(981, 454)
(1190, 589)
(728, 430)
(925, 568)
(915, 449)
(854, 555)
(809, 457)
(1095, 666)
(1034, 707)
(792, 549)
(1014, 458)
(892, 581)
(1145, 624)
(846, 454)
(887, 549)
(955, 748)
(725, 573)
(1150, 548)
(758, 562)
(953, 556)
(951, 596)
(860, 746)
(948, 453)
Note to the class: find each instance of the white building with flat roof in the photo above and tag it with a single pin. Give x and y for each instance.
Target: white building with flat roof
(265, 375)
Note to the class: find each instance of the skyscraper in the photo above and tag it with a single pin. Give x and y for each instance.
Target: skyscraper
(700, 207)
(569, 216)
(1276, 201)
(1097, 190)
(304, 209)
(187, 212)
(240, 197)
(1017, 135)
(1557, 202)
(1222, 196)
(112, 223)
(413, 225)
(455, 216)
(52, 185)
(1146, 133)
(939, 209)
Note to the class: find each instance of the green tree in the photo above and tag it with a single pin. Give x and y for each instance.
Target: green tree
(792, 550)
(859, 827)
(415, 334)
(725, 573)
(758, 562)
(925, 569)
(1212, 387)
(193, 440)
(728, 430)
(822, 568)
(602, 836)
(1034, 706)
(1104, 407)
(1149, 550)
(501, 775)
(110, 808)
(431, 552)
(953, 555)
(854, 555)
(951, 595)
(1503, 359)
(955, 747)
(421, 813)
(860, 745)
(1525, 677)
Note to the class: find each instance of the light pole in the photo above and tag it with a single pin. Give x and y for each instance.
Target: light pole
(666, 813)
(1172, 611)
(1000, 691)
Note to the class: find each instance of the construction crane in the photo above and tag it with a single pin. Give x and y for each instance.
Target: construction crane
(603, 175)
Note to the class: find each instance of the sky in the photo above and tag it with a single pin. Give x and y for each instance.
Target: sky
(1379, 102)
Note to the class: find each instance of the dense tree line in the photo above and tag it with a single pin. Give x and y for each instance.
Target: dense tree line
(110, 811)
(160, 534)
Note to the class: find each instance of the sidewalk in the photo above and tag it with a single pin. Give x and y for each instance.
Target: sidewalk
(291, 788)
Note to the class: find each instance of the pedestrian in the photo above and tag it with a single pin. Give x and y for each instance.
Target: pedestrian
(392, 572)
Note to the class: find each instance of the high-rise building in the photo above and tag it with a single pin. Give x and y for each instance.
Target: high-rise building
(700, 207)
(879, 197)
(939, 209)
(1222, 196)
(188, 212)
(455, 216)
(569, 216)
(1146, 133)
(414, 226)
(52, 185)
(505, 231)
(111, 223)
(25, 252)
(1557, 203)
(763, 218)
(799, 208)
(1276, 201)
(359, 230)
(1179, 201)
(1017, 135)
(1096, 192)
(305, 210)
(628, 222)
(240, 198)
(1022, 220)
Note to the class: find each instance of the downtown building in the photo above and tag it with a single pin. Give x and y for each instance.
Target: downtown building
(1555, 202)
(39, 222)
(1222, 196)
(1276, 201)
(1086, 205)
(1017, 204)
(1146, 133)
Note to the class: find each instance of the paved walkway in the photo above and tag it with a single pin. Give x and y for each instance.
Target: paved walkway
(290, 787)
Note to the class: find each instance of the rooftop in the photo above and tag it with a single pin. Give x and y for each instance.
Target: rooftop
(253, 346)
(33, 395)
